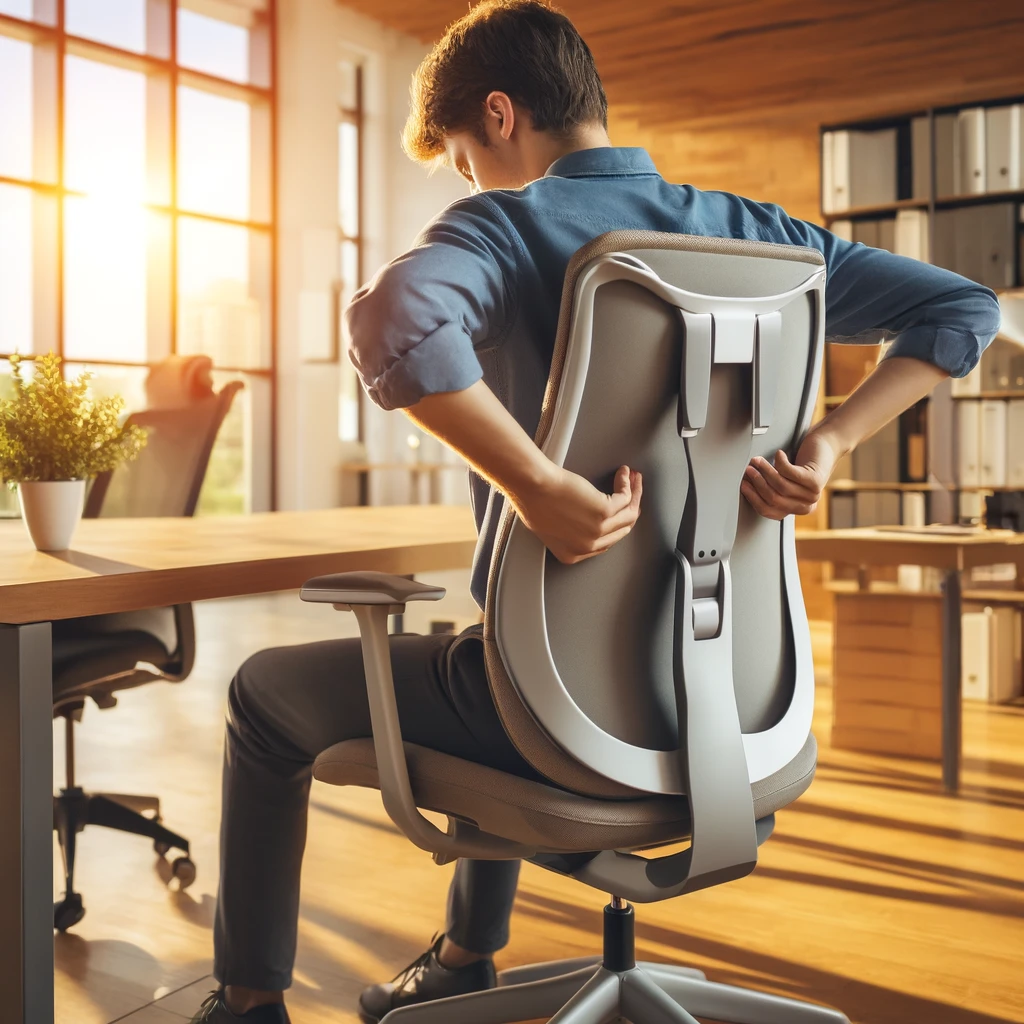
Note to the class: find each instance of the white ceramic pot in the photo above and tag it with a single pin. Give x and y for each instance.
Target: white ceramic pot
(51, 510)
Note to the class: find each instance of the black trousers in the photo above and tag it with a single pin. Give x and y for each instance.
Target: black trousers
(288, 704)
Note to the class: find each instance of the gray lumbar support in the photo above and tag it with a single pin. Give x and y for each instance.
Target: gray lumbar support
(738, 336)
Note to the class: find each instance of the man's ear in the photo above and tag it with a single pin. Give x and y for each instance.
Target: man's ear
(500, 114)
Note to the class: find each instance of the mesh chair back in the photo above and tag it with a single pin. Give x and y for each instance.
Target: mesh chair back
(166, 478)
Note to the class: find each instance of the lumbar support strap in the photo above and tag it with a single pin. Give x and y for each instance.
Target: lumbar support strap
(731, 336)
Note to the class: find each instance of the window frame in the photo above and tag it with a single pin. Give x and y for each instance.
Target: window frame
(356, 116)
(47, 31)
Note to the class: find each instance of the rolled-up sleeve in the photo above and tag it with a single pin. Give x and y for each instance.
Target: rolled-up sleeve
(872, 295)
(414, 329)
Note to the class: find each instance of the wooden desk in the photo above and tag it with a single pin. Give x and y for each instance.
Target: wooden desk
(126, 565)
(952, 553)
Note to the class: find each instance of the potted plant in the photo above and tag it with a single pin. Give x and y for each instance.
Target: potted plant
(53, 438)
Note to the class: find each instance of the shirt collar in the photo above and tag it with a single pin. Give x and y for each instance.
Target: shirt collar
(607, 161)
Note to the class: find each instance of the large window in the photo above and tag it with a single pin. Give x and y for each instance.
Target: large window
(350, 230)
(136, 212)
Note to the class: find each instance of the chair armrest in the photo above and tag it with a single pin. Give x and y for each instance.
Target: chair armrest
(462, 839)
(346, 590)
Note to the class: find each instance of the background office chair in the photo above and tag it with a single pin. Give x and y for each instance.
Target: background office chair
(665, 688)
(99, 655)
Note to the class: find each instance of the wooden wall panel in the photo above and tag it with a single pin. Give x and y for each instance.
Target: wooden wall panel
(729, 94)
(769, 162)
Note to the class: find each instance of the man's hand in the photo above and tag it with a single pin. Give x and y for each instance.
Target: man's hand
(574, 519)
(791, 488)
(794, 488)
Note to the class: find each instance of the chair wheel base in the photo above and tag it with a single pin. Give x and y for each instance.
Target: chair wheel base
(68, 912)
(184, 870)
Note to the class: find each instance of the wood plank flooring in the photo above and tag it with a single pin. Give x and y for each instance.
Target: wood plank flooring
(878, 893)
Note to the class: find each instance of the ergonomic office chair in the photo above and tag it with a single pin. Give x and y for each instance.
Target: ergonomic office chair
(102, 654)
(664, 688)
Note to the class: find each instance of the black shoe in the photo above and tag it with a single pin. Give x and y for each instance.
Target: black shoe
(215, 1011)
(424, 979)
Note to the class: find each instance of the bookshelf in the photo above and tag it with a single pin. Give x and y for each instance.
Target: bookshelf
(944, 185)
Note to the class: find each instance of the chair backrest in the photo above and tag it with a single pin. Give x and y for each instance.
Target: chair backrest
(166, 478)
(679, 661)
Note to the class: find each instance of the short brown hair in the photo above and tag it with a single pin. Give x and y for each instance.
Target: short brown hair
(525, 48)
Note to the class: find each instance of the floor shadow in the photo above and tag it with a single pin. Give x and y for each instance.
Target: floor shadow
(980, 903)
(82, 960)
(876, 860)
(1003, 769)
(989, 796)
(860, 1000)
(811, 807)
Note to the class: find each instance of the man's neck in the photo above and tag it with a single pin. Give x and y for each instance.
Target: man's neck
(588, 137)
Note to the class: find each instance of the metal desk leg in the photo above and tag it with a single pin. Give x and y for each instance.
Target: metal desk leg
(951, 668)
(26, 824)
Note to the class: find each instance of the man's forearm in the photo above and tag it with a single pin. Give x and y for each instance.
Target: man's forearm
(893, 386)
(572, 517)
(476, 425)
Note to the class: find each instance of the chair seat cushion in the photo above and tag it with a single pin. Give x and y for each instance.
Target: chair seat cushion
(84, 660)
(553, 819)
(529, 812)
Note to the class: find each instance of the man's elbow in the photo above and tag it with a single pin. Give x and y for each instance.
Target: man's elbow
(981, 317)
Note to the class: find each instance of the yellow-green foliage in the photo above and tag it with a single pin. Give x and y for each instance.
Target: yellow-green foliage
(52, 430)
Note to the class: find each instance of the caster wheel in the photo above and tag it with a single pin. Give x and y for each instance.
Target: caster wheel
(68, 912)
(161, 847)
(184, 870)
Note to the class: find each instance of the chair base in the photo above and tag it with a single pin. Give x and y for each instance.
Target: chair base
(74, 809)
(592, 991)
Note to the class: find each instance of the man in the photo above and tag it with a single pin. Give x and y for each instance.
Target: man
(458, 332)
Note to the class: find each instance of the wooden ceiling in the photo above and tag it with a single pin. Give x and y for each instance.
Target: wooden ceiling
(708, 62)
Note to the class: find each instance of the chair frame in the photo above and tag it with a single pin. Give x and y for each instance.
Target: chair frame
(716, 761)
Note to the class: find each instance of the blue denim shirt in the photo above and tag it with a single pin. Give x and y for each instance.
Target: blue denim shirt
(478, 294)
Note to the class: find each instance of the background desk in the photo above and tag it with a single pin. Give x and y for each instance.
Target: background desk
(126, 565)
(952, 554)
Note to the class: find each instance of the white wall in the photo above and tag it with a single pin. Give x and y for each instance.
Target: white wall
(399, 197)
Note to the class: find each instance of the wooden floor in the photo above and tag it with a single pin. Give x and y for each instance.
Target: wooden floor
(878, 893)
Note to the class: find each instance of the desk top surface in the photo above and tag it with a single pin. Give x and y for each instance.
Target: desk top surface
(127, 564)
(881, 546)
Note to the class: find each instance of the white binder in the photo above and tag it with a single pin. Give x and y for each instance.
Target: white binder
(992, 458)
(971, 143)
(912, 234)
(862, 166)
(1015, 443)
(971, 507)
(991, 655)
(969, 466)
(975, 651)
(1003, 148)
(911, 577)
